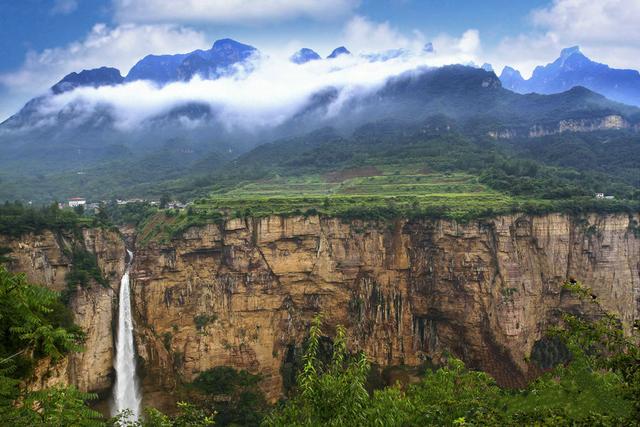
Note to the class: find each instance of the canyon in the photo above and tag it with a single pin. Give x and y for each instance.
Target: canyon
(242, 292)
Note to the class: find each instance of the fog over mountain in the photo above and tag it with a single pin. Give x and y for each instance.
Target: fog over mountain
(244, 88)
(209, 106)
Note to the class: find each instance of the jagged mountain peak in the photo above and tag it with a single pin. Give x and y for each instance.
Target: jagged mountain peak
(572, 68)
(103, 76)
(230, 44)
(338, 52)
(509, 71)
(304, 55)
(487, 67)
(164, 69)
(568, 51)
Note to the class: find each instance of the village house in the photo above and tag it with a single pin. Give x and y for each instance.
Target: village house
(603, 196)
(76, 201)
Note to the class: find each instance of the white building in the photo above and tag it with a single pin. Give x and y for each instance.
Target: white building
(76, 201)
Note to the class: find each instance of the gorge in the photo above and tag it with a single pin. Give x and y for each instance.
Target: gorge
(241, 293)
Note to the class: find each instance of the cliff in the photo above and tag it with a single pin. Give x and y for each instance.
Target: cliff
(46, 260)
(242, 294)
(610, 122)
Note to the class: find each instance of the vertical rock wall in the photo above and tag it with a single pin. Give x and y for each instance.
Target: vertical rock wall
(242, 294)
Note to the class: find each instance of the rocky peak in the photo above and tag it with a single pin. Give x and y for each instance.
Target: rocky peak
(304, 55)
(338, 52)
(232, 49)
(103, 76)
(568, 51)
(206, 63)
(511, 73)
(512, 79)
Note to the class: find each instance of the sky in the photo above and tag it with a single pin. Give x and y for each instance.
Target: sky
(43, 40)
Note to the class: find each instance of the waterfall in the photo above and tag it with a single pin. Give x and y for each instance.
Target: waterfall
(126, 394)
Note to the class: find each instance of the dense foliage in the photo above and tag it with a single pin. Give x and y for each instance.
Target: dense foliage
(234, 395)
(134, 213)
(35, 325)
(605, 161)
(17, 219)
(432, 170)
(599, 386)
(84, 270)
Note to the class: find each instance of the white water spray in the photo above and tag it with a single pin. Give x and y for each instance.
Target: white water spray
(126, 394)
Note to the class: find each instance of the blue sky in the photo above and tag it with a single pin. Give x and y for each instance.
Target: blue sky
(42, 40)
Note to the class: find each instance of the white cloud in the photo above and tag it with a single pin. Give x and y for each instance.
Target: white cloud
(273, 91)
(599, 22)
(606, 30)
(364, 35)
(120, 47)
(463, 50)
(64, 7)
(230, 11)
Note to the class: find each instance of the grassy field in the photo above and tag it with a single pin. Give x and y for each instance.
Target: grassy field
(378, 196)
(341, 193)
(379, 184)
(370, 193)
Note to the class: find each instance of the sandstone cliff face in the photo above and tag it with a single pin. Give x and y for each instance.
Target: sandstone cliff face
(243, 294)
(42, 257)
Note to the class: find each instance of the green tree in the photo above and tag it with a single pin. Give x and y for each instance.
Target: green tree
(35, 325)
(597, 387)
(188, 415)
(164, 200)
(328, 394)
(26, 314)
(234, 395)
(57, 406)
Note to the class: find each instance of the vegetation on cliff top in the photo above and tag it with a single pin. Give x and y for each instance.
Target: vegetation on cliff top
(532, 168)
(436, 170)
(17, 219)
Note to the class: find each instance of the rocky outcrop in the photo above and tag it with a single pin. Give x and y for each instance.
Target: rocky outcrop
(45, 260)
(611, 122)
(242, 294)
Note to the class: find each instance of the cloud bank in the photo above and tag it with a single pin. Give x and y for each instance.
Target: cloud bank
(263, 93)
(120, 47)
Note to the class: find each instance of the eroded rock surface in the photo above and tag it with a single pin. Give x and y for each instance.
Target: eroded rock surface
(45, 260)
(243, 294)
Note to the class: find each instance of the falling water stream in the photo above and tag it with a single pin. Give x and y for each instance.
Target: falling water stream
(126, 394)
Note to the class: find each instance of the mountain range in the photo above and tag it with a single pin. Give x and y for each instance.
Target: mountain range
(572, 69)
(53, 153)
